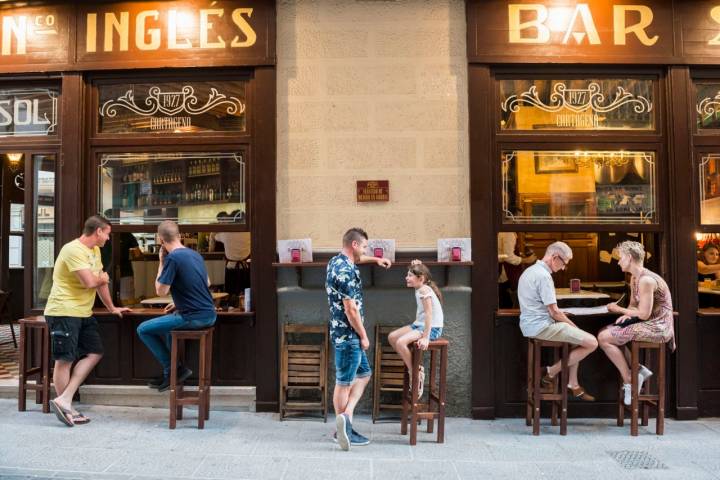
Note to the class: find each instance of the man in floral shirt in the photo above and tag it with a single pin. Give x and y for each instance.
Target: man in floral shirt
(347, 333)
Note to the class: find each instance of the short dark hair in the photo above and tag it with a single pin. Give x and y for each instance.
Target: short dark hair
(93, 223)
(355, 234)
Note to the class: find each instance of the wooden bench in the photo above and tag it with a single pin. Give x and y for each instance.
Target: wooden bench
(389, 374)
(303, 370)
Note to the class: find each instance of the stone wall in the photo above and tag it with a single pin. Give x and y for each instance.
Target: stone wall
(372, 90)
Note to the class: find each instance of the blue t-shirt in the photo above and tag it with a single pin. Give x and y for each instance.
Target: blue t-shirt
(343, 281)
(184, 270)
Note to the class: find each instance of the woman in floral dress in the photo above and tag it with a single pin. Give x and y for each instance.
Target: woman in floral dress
(650, 302)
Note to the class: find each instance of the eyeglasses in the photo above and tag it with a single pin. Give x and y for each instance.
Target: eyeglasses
(562, 260)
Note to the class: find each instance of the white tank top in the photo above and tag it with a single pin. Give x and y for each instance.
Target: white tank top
(437, 312)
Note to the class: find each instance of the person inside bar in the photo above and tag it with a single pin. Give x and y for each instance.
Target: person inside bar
(511, 267)
(237, 255)
(708, 262)
(648, 318)
(541, 318)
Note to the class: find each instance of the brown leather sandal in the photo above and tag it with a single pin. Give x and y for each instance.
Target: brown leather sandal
(580, 393)
(547, 383)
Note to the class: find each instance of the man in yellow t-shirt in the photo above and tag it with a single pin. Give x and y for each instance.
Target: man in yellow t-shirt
(77, 276)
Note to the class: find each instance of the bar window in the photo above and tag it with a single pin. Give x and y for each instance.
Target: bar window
(44, 226)
(581, 104)
(708, 269)
(172, 107)
(707, 105)
(541, 186)
(710, 189)
(188, 187)
(133, 260)
(592, 278)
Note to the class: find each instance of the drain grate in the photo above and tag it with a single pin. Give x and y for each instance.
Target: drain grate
(634, 460)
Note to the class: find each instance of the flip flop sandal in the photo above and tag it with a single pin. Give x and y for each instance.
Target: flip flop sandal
(61, 414)
(80, 419)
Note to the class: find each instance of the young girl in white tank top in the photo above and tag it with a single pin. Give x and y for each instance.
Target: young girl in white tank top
(428, 322)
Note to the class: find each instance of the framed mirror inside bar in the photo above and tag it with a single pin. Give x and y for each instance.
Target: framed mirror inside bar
(194, 188)
(590, 186)
(44, 201)
(577, 104)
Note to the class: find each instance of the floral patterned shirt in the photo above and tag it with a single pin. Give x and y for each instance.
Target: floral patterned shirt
(343, 281)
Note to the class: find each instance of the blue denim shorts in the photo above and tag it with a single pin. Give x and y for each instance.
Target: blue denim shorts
(350, 362)
(435, 332)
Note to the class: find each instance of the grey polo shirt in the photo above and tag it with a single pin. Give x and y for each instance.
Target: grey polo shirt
(536, 290)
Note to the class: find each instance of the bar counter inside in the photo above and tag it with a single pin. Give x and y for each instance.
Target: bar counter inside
(596, 374)
(127, 361)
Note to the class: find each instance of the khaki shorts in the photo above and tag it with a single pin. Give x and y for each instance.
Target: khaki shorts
(563, 332)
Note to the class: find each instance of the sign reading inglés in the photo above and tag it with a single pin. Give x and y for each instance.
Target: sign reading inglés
(373, 190)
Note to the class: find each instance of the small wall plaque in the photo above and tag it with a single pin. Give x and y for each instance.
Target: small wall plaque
(373, 190)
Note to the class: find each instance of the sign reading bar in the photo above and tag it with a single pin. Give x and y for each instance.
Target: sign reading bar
(137, 34)
(28, 112)
(373, 190)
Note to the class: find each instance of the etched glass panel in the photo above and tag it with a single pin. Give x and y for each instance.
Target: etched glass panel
(578, 187)
(29, 111)
(710, 189)
(595, 104)
(176, 107)
(188, 187)
(707, 107)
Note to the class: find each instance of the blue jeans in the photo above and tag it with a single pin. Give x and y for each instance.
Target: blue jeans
(155, 334)
(350, 362)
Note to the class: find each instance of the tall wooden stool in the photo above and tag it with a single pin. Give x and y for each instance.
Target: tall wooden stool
(535, 395)
(178, 396)
(303, 371)
(32, 329)
(437, 389)
(389, 373)
(645, 399)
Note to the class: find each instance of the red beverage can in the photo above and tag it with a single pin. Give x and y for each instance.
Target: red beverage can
(575, 285)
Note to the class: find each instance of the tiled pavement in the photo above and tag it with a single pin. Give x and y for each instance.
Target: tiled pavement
(124, 443)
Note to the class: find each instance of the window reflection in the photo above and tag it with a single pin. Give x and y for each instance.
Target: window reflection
(44, 226)
(578, 186)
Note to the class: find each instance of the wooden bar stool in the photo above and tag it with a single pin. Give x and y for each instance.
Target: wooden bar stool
(388, 376)
(644, 399)
(178, 396)
(303, 370)
(32, 329)
(435, 407)
(535, 395)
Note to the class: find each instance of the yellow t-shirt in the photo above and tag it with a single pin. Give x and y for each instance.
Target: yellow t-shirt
(68, 296)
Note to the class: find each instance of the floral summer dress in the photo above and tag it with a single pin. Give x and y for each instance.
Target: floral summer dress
(659, 328)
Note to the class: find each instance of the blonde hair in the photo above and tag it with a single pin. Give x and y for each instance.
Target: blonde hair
(634, 249)
(418, 269)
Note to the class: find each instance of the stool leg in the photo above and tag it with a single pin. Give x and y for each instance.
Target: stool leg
(536, 389)
(634, 389)
(564, 374)
(442, 394)
(208, 375)
(202, 400)
(554, 411)
(179, 389)
(620, 406)
(660, 420)
(528, 403)
(22, 381)
(45, 349)
(405, 393)
(432, 403)
(173, 381)
(38, 360)
(416, 360)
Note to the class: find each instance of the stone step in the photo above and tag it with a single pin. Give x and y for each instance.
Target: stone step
(237, 399)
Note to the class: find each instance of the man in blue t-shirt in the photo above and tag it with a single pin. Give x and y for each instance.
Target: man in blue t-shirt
(182, 270)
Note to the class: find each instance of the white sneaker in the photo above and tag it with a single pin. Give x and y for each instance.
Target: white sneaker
(627, 393)
(421, 381)
(643, 375)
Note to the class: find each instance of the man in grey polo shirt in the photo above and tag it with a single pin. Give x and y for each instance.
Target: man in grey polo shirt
(541, 318)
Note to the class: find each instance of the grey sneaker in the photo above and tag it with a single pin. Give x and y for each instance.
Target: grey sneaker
(343, 425)
(355, 439)
(643, 375)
